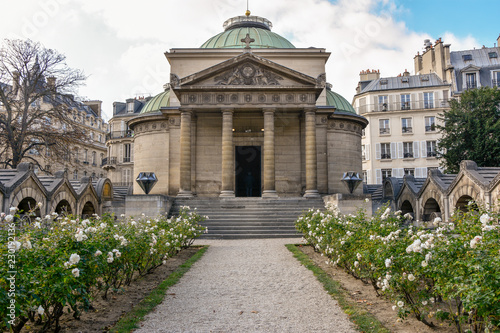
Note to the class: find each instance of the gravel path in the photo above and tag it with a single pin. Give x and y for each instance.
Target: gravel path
(247, 286)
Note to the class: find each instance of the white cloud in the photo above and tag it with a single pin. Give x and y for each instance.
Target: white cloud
(120, 44)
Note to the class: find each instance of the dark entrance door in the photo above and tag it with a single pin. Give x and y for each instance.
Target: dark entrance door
(247, 171)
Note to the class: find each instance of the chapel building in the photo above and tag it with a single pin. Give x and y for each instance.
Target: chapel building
(247, 114)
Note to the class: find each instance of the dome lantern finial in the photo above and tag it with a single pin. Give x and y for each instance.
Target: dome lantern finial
(247, 13)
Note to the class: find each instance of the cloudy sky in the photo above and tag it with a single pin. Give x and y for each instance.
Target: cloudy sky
(120, 44)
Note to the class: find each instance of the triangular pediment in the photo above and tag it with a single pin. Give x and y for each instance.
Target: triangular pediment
(470, 68)
(247, 71)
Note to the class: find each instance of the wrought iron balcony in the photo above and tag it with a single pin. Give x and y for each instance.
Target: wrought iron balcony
(385, 130)
(404, 106)
(408, 155)
(430, 128)
(109, 163)
(431, 154)
(385, 156)
(119, 135)
(407, 129)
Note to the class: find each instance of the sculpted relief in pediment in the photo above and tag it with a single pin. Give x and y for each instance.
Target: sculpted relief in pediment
(248, 74)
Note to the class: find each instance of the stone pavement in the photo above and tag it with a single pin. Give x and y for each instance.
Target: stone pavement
(251, 285)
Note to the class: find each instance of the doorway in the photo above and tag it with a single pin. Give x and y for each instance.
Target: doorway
(247, 171)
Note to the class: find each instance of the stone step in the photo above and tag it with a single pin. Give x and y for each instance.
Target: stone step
(231, 218)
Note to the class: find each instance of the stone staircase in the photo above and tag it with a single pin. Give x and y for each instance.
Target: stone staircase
(239, 218)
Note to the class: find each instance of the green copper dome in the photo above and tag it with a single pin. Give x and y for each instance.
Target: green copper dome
(237, 28)
(338, 102)
(156, 103)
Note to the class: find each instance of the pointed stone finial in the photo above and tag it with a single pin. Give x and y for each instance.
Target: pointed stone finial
(247, 40)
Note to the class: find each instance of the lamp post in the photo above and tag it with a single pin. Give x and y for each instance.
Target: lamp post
(146, 181)
(351, 180)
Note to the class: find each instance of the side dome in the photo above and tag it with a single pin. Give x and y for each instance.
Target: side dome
(338, 102)
(237, 28)
(156, 103)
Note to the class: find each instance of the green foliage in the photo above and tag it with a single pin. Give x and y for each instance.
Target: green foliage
(451, 272)
(471, 129)
(64, 266)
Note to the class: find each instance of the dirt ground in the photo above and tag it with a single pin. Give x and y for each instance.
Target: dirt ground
(365, 295)
(107, 312)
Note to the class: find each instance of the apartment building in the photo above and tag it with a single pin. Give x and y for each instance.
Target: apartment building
(403, 111)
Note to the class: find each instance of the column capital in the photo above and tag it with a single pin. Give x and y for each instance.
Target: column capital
(310, 110)
(186, 111)
(268, 110)
(227, 110)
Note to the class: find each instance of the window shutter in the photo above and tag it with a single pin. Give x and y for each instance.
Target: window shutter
(131, 152)
(423, 146)
(122, 149)
(367, 152)
(415, 149)
(377, 151)
(424, 172)
(368, 176)
(394, 173)
(394, 153)
(400, 150)
(378, 174)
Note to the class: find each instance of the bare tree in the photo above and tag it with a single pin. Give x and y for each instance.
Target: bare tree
(35, 102)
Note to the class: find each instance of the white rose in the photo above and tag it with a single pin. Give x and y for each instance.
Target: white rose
(401, 304)
(424, 263)
(41, 310)
(74, 259)
(9, 218)
(76, 272)
(97, 253)
(13, 210)
(388, 263)
(411, 277)
(485, 218)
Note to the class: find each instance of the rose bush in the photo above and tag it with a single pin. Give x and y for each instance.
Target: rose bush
(450, 271)
(62, 263)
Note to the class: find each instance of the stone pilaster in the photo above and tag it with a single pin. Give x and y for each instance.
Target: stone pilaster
(311, 155)
(185, 155)
(269, 161)
(227, 154)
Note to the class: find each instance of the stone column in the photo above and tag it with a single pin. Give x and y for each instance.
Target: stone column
(311, 155)
(227, 154)
(269, 171)
(185, 155)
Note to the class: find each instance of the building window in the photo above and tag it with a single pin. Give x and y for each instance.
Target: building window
(85, 156)
(384, 126)
(405, 102)
(130, 107)
(386, 173)
(428, 100)
(470, 79)
(385, 151)
(408, 149)
(467, 57)
(100, 138)
(75, 175)
(94, 159)
(363, 152)
(406, 125)
(410, 172)
(102, 159)
(431, 149)
(382, 103)
(430, 124)
(492, 55)
(126, 152)
(363, 132)
(496, 79)
(85, 174)
(365, 177)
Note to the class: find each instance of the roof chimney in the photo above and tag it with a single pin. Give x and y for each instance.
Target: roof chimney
(15, 82)
(498, 41)
(51, 83)
(427, 44)
(406, 73)
(369, 75)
